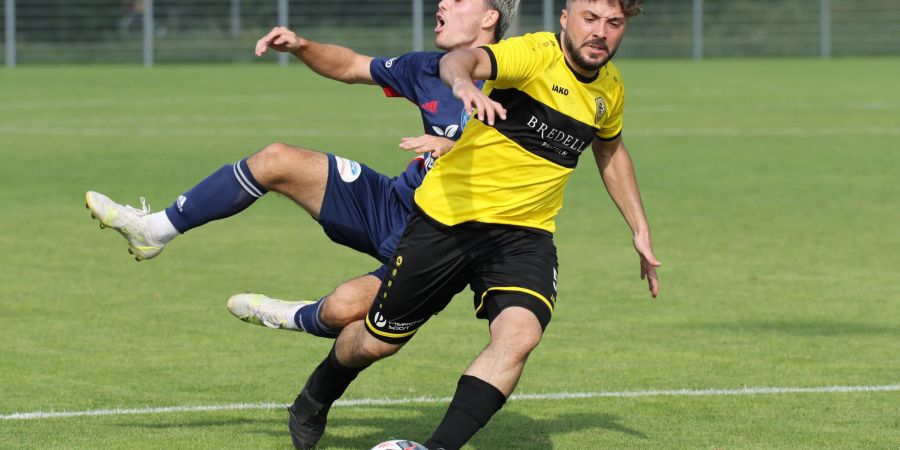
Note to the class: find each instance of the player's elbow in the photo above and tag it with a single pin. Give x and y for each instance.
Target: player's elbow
(357, 71)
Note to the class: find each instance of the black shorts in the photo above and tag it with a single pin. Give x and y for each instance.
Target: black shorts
(504, 265)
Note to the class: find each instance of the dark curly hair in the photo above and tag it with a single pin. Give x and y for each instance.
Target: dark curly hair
(631, 8)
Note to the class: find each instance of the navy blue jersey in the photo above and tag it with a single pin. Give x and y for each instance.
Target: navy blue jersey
(416, 77)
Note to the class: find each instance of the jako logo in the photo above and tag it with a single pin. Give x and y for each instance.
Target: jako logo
(448, 132)
(560, 90)
(389, 62)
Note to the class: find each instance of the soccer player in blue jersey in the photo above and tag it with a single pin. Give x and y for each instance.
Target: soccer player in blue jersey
(355, 205)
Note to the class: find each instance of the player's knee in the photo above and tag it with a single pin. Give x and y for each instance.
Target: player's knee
(516, 332)
(339, 314)
(372, 349)
(349, 302)
(272, 164)
(518, 347)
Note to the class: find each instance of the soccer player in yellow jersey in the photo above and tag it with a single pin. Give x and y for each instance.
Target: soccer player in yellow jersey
(485, 214)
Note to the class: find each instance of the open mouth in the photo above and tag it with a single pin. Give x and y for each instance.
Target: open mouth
(597, 48)
(440, 23)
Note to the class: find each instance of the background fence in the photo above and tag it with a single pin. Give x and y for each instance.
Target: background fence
(171, 31)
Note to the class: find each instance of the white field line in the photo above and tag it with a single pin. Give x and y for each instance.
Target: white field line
(385, 132)
(750, 391)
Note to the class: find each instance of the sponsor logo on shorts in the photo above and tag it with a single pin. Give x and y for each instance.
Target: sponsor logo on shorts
(389, 63)
(396, 327)
(402, 327)
(180, 203)
(349, 170)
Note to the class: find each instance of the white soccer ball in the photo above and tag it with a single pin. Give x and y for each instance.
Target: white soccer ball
(399, 444)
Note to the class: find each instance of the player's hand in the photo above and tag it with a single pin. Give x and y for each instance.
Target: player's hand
(427, 143)
(280, 39)
(648, 262)
(486, 110)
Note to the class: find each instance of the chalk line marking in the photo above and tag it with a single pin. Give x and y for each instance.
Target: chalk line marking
(425, 400)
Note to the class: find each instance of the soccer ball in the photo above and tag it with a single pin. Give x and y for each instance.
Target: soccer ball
(399, 444)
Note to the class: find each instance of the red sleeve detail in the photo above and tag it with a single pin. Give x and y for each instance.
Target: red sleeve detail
(388, 92)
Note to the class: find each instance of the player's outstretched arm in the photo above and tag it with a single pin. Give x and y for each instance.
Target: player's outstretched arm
(458, 70)
(331, 61)
(617, 171)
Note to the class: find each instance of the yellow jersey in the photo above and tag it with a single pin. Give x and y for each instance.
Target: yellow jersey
(514, 172)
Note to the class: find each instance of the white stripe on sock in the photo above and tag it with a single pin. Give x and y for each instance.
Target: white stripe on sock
(245, 183)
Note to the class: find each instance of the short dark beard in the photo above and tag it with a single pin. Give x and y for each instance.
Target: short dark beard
(581, 61)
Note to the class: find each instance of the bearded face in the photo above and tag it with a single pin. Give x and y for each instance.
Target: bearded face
(592, 31)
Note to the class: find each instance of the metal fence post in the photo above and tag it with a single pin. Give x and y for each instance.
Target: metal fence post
(9, 12)
(698, 29)
(515, 26)
(235, 18)
(418, 27)
(548, 15)
(148, 33)
(283, 22)
(825, 17)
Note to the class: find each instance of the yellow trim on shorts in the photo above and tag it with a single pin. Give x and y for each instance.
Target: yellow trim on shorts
(386, 334)
(511, 289)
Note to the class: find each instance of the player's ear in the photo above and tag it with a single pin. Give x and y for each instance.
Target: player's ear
(563, 18)
(490, 19)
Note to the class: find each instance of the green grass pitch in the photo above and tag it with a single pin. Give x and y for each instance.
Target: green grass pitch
(771, 186)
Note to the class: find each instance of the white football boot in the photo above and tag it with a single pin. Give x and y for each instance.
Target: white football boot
(130, 222)
(259, 309)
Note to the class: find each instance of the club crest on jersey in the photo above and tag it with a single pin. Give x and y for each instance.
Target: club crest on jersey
(601, 109)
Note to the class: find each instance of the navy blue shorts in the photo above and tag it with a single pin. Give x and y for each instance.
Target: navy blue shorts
(361, 210)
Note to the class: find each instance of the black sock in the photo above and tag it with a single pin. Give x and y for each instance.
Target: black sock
(473, 405)
(329, 381)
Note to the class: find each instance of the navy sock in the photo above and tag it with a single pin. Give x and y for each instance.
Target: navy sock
(474, 403)
(224, 193)
(307, 318)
